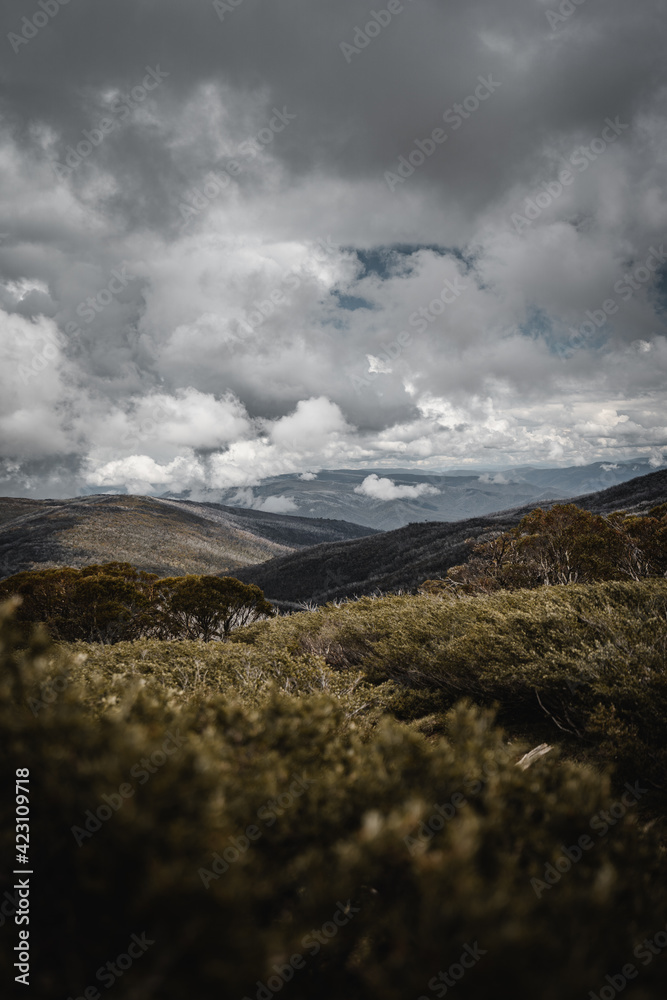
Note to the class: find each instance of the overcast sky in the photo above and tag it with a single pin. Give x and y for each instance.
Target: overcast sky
(247, 238)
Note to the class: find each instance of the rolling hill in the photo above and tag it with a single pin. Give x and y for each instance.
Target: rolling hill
(404, 558)
(167, 537)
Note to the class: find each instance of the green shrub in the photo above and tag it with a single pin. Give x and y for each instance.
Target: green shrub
(115, 602)
(346, 843)
(208, 607)
(564, 544)
(583, 664)
(99, 603)
(194, 671)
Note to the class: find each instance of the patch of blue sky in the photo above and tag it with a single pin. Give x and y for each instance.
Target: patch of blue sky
(389, 261)
(562, 340)
(352, 302)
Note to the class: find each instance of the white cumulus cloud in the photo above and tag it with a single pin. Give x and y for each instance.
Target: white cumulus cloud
(272, 505)
(386, 489)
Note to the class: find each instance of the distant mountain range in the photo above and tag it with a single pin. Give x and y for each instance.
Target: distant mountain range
(390, 498)
(405, 557)
(292, 558)
(167, 537)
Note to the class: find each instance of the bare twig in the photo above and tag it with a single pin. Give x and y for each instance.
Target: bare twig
(533, 755)
(572, 732)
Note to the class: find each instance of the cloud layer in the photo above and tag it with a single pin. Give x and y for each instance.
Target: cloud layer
(243, 240)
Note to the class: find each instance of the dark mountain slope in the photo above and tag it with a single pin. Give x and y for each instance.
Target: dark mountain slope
(636, 496)
(405, 557)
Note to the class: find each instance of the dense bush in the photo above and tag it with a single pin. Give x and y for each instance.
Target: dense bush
(354, 872)
(563, 545)
(115, 602)
(99, 603)
(207, 607)
(195, 671)
(581, 663)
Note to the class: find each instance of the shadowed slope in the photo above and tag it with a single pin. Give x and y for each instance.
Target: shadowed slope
(404, 558)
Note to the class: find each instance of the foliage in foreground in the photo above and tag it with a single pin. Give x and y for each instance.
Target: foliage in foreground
(115, 602)
(353, 870)
(583, 664)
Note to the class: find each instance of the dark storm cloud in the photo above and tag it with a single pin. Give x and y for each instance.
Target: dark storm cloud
(171, 167)
(356, 118)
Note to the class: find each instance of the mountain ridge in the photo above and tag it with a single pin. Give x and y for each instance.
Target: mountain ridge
(391, 498)
(404, 558)
(158, 535)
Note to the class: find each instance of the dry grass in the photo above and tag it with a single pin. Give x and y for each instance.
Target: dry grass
(132, 531)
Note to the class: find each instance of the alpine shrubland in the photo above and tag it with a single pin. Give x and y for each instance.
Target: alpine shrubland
(563, 545)
(114, 601)
(329, 804)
